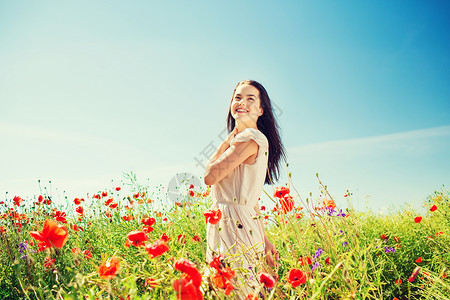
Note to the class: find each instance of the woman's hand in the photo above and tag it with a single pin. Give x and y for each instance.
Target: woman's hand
(271, 253)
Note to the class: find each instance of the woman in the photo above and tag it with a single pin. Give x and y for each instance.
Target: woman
(237, 171)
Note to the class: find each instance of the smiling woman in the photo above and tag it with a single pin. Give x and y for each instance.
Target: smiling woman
(237, 173)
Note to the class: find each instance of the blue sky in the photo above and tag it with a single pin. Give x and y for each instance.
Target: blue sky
(91, 89)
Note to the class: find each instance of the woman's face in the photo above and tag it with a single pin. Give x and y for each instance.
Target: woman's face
(245, 106)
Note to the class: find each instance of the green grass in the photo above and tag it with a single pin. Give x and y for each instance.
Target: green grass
(361, 264)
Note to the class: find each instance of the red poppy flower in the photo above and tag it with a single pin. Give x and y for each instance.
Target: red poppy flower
(397, 239)
(433, 208)
(87, 254)
(40, 198)
(419, 260)
(181, 239)
(104, 194)
(76, 250)
(304, 260)
(48, 262)
(417, 219)
(52, 234)
(79, 210)
(60, 216)
(148, 221)
(384, 237)
(395, 298)
(17, 200)
(216, 263)
(223, 280)
(137, 238)
(110, 268)
(251, 297)
(127, 218)
(266, 279)
(439, 233)
(77, 201)
(157, 248)
(164, 237)
(327, 261)
(113, 205)
(147, 229)
(151, 282)
(186, 290)
(191, 186)
(281, 191)
(212, 216)
(287, 204)
(196, 238)
(136, 195)
(97, 196)
(109, 201)
(108, 214)
(296, 277)
(118, 188)
(188, 267)
(398, 282)
(191, 193)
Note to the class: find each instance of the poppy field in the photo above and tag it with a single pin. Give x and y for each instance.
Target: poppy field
(115, 244)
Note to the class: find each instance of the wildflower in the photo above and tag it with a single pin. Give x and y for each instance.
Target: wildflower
(76, 250)
(384, 237)
(212, 216)
(188, 286)
(266, 279)
(188, 267)
(113, 205)
(305, 260)
(87, 254)
(216, 263)
(281, 192)
(104, 194)
(263, 207)
(327, 261)
(414, 274)
(60, 216)
(97, 196)
(315, 266)
(398, 282)
(296, 277)
(127, 218)
(251, 297)
(80, 210)
(223, 279)
(329, 203)
(186, 290)
(196, 238)
(344, 244)
(417, 219)
(118, 188)
(191, 193)
(439, 233)
(395, 298)
(49, 262)
(389, 249)
(164, 237)
(341, 214)
(148, 221)
(110, 268)
(52, 234)
(181, 239)
(157, 248)
(299, 215)
(191, 186)
(108, 214)
(419, 260)
(17, 200)
(136, 195)
(151, 282)
(433, 208)
(137, 238)
(318, 253)
(287, 204)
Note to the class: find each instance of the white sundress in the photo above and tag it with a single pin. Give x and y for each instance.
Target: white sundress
(239, 235)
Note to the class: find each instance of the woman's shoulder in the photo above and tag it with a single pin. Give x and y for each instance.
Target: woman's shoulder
(253, 132)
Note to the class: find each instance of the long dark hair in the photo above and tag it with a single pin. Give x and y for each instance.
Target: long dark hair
(269, 127)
